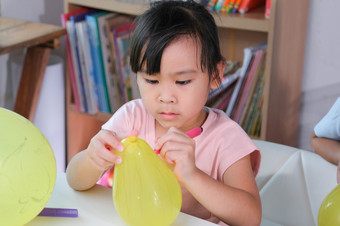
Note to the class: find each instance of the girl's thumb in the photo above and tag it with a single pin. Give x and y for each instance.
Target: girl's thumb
(124, 135)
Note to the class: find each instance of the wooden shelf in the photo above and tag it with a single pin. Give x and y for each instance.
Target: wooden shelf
(110, 5)
(252, 21)
(100, 116)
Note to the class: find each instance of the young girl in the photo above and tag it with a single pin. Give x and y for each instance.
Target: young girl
(175, 53)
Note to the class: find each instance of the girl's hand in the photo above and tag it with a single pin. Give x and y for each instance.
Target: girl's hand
(100, 150)
(179, 149)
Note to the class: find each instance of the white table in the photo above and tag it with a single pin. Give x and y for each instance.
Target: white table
(292, 183)
(95, 207)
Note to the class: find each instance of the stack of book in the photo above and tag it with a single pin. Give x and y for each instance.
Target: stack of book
(237, 6)
(97, 45)
(240, 93)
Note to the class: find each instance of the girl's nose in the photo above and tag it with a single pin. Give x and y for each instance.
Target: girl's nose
(167, 95)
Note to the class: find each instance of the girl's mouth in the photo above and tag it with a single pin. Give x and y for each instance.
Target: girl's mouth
(168, 115)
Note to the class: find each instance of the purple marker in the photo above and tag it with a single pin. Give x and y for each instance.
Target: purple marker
(58, 212)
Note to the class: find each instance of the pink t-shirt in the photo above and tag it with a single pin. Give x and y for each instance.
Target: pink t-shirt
(222, 143)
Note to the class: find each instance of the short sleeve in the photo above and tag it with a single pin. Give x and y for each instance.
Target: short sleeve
(126, 117)
(223, 143)
(329, 125)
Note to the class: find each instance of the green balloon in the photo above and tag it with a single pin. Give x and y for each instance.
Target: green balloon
(329, 212)
(27, 169)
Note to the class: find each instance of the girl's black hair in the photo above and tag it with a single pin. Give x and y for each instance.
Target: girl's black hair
(166, 21)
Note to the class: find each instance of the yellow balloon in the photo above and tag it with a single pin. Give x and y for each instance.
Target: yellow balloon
(145, 191)
(27, 169)
(329, 212)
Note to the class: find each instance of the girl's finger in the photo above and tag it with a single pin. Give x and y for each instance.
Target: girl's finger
(112, 139)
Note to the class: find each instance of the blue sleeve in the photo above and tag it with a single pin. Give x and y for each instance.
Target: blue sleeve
(329, 126)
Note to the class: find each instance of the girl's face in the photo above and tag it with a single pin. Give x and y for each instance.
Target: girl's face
(175, 97)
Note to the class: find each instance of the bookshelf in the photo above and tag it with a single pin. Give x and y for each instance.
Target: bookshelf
(284, 32)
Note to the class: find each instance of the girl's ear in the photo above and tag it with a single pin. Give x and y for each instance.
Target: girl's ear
(214, 83)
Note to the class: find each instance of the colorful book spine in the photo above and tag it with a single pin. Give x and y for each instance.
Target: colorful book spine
(211, 5)
(111, 24)
(253, 79)
(83, 71)
(104, 39)
(85, 54)
(236, 6)
(64, 18)
(231, 5)
(267, 10)
(246, 93)
(254, 105)
(246, 65)
(127, 77)
(97, 59)
(224, 8)
(72, 40)
(219, 5)
(247, 5)
(81, 77)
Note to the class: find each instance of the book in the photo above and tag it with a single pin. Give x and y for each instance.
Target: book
(97, 60)
(253, 115)
(240, 88)
(231, 5)
(247, 58)
(112, 76)
(85, 56)
(225, 6)
(236, 6)
(219, 5)
(267, 9)
(64, 18)
(249, 90)
(211, 5)
(74, 55)
(104, 39)
(250, 125)
(128, 81)
(79, 64)
(246, 88)
(247, 5)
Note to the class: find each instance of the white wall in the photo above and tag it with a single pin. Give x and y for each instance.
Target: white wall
(47, 11)
(321, 77)
(322, 55)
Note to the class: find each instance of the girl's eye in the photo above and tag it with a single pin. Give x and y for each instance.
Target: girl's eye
(150, 81)
(183, 82)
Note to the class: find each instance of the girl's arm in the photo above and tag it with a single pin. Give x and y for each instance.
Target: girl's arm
(80, 173)
(236, 201)
(86, 168)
